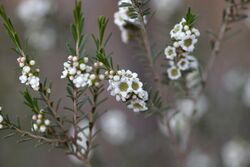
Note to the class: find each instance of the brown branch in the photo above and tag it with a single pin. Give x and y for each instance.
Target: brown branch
(231, 15)
(36, 137)
(54, 113)
(145, 40)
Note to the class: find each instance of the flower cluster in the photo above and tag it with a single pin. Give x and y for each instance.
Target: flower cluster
(179, 55)
(40, 124)
(1, 119)
(29, 75)
(124, 21)
(126, 87)
(81, 74)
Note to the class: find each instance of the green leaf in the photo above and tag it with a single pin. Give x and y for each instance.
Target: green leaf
(11, 30)
(31, 102)
(190, 17)
(101, 43)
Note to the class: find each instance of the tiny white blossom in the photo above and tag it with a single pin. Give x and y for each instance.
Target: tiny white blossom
(187, 43)
(35, 127)
(170, 52)
(81, 80)
(126, 87)
(183, 64)
(34, 82)
(26, 69)
(174, 73)
(42, 128)
(138, 105)
(32, 62)
(23, 79)
(47, 122)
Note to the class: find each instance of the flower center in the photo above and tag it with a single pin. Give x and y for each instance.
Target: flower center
(123, 86)
(137, 105)
(170, 52)
(188, 42)
(174, 72)
(135, 86)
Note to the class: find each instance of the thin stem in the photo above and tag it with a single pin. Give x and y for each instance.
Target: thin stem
(231, 15)
(218, 42)
(91, 122)
(54, 113)
(33, 136)
(145, 40)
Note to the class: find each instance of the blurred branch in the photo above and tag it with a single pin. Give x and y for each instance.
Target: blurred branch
(138, 7)
(231, 14)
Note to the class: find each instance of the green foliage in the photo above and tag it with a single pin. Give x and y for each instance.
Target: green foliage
(11, 31)
(156, 104)
(190, 17)
(31, 102)
(101, 42)
(136, 9)
(77, 31)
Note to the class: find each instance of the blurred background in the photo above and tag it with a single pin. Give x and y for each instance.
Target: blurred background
(220, 136)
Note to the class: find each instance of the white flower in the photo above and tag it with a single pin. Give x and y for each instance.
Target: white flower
(40, 124)
(43, 128)
(81, 80)
(174, 73)
(125, 86)
(64, 74)
(136, 85)
(183, 64)
(1, 126)
(32, 62)
(39, 121)
(177, 32)
(47, 122)
(187, 43)
(35, 127)
(34, 82)
(83, 67)
(23, 79)
(143, 95)
(72, 71)
(26, 69)
(196, 32)
(170, 52)
(137, 105)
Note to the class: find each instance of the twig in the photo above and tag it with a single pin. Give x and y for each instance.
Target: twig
(145, 40)
(231, 15)
(33, 136)
(54, 113)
